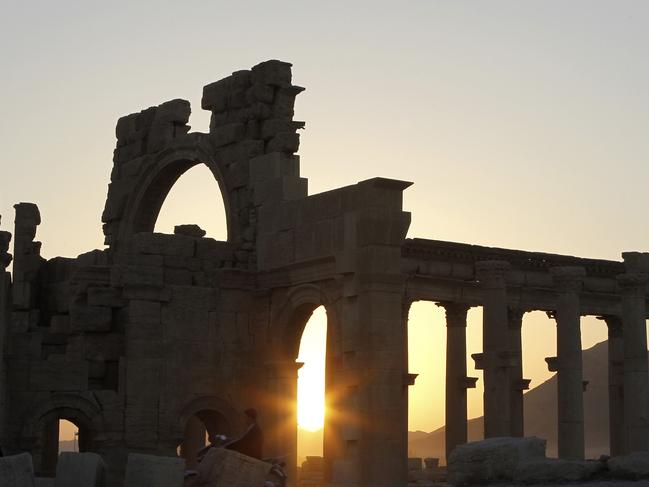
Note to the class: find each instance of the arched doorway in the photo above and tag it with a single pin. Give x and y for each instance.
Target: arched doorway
(311, 398)
(61, 432)
(199, 428)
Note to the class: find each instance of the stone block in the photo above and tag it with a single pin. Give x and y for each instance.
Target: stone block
(273, 165)
(631, 466)
(105, 296)
(153, 471)
(44, 482)
(173, 112)
(280, 189)
(59, 374)
(136, 276)
(273, 72)
(222, 467)
(60, 324)
(80, 470)
(215, 95)
(181, 277)
(492, 460)
(179, 262)
(288, 142)
(17, 471)
(284, 103)
(144, 312)
(147, 292)
(260, 92)
(88, 318)
(228, 134)
(22, 295)
(163, 244)
(189, 230)
(275, 126)
(553, 470)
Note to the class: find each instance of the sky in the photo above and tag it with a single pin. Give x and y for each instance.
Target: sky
(522, 124)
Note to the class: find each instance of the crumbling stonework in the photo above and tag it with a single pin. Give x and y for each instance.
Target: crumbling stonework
(149, 342)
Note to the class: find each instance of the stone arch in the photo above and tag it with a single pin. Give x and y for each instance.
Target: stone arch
(299, 303)
(84, 414)
(209, 403)
(74, 408)
(153, 186)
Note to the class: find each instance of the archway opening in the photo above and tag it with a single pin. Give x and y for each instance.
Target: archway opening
(426, 397)
(60, 434)
(201, 428)
(311, 396)
(539, 340)
(195, 199)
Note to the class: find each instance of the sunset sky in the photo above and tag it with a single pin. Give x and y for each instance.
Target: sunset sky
(522, 124)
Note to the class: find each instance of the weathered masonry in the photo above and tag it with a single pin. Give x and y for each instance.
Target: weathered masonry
(149, 342)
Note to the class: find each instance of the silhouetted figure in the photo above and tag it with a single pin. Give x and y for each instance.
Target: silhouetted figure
(251, 443)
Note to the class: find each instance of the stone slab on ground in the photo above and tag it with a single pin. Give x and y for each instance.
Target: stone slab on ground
(17, 470)
(492, 459)
(80, 470)
(556, 470)
(154, 471)
(221, 467)
(631, 466)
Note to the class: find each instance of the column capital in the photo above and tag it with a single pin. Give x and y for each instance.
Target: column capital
(614, 324)
(455, 313)
(568, 278)
(491, 272)
(633, 282)
(515, 317)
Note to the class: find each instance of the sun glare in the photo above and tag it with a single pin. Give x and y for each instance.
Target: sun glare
(311, 377)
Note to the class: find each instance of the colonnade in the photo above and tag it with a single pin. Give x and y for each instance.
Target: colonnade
(501, 360)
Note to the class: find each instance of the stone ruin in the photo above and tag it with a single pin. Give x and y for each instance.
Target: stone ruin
(155, 339)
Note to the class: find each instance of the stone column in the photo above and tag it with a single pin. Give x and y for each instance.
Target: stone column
(495, 358)
(570, 388)
(281, 413)
(518, 384)
(5, 308)
(456, 379)
(633, 286)
(615, 384)
(193, 441)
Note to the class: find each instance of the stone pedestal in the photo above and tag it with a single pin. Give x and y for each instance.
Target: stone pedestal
(456, 384)
(570, 407)
(636, 375)
(496, 355)
(615, 384)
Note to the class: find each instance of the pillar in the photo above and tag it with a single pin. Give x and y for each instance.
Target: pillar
(615, 384)
(570, 387)
(50, 449)
(517, 383)
(5, 308)
(456, 379)
(280, 414)
(633, 287)
(193, 441)
(495, 358)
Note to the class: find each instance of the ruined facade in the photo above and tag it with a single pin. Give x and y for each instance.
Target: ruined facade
(152, 340)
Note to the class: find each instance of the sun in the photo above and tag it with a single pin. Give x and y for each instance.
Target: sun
(311, 377)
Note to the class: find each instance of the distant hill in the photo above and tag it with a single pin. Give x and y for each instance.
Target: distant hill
(541, 412)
